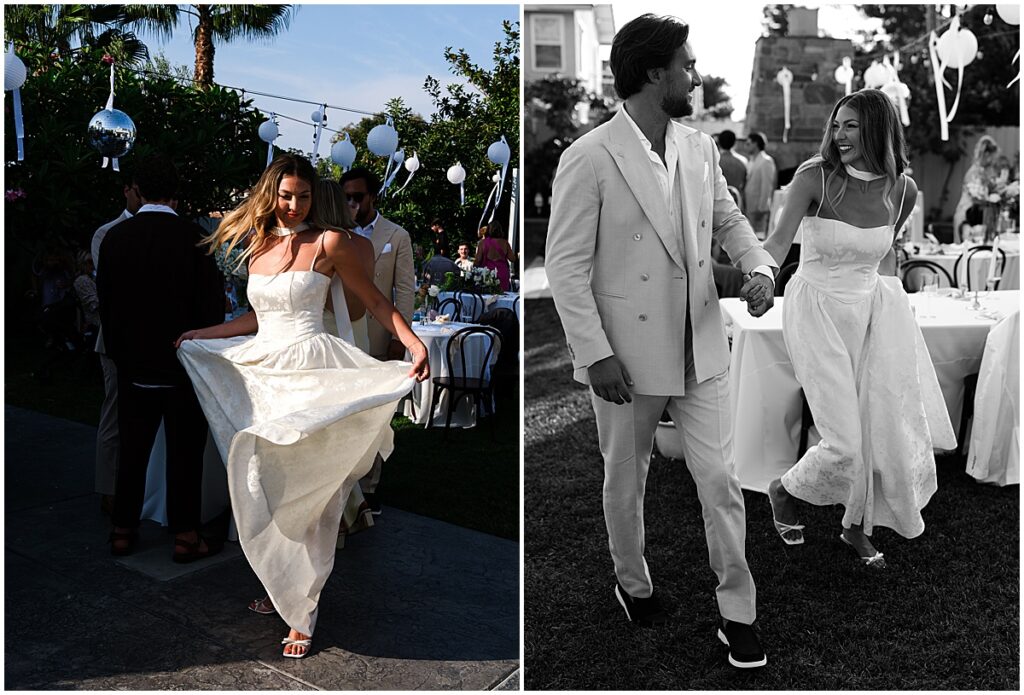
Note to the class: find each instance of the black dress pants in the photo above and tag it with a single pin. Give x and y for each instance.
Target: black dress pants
(140, 410)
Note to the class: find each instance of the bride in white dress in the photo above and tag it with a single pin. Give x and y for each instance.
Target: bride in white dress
(297, 414)
(856, 348)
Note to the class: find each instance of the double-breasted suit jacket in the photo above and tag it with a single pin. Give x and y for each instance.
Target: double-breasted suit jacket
(394, 276)
(623, 275)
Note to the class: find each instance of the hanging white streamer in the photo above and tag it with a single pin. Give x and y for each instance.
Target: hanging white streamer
(319, 130)
(785, 78)
(270, 144)
(940, 95)
(490, 197)
(399, 158)
(501, 183)
(19, 124)
(412, 172)
(110, 106)
(1016, 59)
(901, 100)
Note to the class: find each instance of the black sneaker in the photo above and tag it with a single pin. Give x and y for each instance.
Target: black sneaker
(744, 647)
(646, 612)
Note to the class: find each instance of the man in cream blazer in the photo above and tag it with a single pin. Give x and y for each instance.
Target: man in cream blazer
(635, 204)
(394, 274)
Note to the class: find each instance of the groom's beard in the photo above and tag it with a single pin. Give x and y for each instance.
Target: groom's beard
(677, 106)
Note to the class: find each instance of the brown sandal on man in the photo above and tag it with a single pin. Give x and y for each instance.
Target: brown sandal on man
(193, 551)
(121, 543)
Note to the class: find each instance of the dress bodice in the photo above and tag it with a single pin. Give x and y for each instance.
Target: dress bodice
(290, 304)
(840, 259)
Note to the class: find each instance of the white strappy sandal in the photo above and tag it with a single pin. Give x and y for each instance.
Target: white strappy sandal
(298, 643)
(796, 531)
(876, 561)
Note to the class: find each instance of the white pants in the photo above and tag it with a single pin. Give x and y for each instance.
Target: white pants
(108, 442)
(626, 434)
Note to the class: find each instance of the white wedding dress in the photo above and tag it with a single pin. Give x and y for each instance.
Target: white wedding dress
(298, 415)
(865, 370)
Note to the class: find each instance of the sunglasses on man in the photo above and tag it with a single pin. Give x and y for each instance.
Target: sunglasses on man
(355, 197)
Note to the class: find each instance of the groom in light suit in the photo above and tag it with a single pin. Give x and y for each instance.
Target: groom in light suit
(635, 204)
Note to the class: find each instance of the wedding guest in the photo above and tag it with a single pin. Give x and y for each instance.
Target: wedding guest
(297, 414)
(440, 238)
(495, 253)
(85, 291)
(107, 440)
(977, 181)
(762, 179)
(158, 250)
(734, 166)
(880, 418)
(464, 262)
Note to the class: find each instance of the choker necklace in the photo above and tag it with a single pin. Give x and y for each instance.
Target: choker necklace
(862, 175)
(288, 231)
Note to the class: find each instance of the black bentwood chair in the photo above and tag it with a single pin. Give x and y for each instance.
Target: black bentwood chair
(462, 380)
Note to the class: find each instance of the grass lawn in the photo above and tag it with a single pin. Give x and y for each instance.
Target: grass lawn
(944, 615)
(471, 479)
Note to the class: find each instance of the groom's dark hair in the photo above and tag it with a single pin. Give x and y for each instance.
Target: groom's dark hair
(157, 178)
(643, 44)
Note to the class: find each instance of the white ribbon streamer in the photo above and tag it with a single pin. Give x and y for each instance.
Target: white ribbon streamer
(110, 106)
(1016, 59)
(412, 172)
(270, 145)
(399, 158)
(490, 197)
(19, 125)
(940, 95)
(785, 78)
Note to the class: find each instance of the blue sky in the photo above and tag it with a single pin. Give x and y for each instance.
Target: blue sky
(357, 56)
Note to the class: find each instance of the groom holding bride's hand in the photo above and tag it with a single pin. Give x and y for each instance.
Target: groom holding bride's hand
(635, 204)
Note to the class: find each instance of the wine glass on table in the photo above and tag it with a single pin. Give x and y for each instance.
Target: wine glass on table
(929, 291)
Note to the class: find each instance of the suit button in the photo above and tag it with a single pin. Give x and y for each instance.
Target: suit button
(638, 236)
(642, 317)
(645, 277)
(700, 264)
(703, 223)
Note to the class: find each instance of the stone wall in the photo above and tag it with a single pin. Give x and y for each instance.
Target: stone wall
(814, 92)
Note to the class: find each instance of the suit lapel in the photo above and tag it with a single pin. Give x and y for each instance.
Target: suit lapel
(635, 166)
(692, 172)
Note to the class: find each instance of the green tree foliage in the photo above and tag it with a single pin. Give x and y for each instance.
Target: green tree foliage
(470, 114)
(716, 102)
(776, 20)
(62, 29)
(211, 136)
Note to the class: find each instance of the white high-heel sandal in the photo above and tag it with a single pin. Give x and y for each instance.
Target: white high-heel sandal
(876, 561)
(783, 529)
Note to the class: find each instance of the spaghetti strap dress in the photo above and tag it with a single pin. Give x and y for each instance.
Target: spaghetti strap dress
(298, 416)
(862, 362)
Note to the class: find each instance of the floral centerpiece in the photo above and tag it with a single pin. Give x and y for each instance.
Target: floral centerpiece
(998, 198)
(482, 280)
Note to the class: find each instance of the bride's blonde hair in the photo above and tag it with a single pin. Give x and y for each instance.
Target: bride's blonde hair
(255, 217)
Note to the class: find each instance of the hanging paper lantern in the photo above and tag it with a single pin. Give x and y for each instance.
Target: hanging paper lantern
(319, 117)
(382, 139)
(14, 76)
(15, 71)
(412, 165)
(876, 76)
(957, 47)
(499, 152)
(343, 153)
(456, 176)
(844, 74)
(1009, 13)
(268, 131)
(112, 133)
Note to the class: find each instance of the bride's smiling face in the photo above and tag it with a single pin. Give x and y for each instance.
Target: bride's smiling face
(294, 198)
(846, 137)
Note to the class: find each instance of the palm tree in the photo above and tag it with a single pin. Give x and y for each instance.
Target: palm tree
(58, 27)
(221, 22)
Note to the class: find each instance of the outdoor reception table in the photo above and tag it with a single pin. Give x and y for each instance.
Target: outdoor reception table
(436, 337)
(979, 263)
(765, 396)
(506, 300)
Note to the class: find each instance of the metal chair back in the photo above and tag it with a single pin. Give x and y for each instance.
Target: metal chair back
(912, 274)
(453, 305)
(966, 257)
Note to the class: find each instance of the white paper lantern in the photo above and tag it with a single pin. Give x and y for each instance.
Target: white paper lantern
(844, 73)
(456, 174)
(1009, 13)
(382, 140)
(876, 76)
(499, 152)
(15, 71)
(343, 153)
(957, 47)
(268, 131)
(412, 164)
(316, 117)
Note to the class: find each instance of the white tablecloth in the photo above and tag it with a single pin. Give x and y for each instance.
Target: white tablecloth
(993, 455)
(765, 396)
(436, 338)
(979, 265)
(506, 300)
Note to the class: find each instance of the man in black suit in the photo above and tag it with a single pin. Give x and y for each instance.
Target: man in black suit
(155, 283)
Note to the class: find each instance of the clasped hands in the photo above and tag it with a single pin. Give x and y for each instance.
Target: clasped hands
(759, 294)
